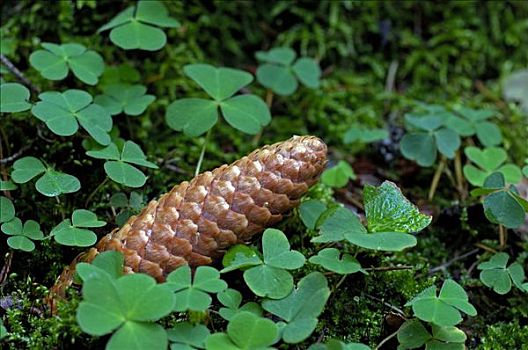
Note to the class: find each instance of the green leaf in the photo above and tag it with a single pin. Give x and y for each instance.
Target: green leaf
(125, 174)
(14, 97)
(7, 209)
(138, 336)
(442, 310)
(503, 208)
(387, 241)
(277, 253)
(489, 160)
(330, 259)
(268, 281)
(21, 243)
(193, 116)
(232, 298)
(387, 209)
(310, 211)
(447, 142)
(133, 28)
(187, 336)
(25, 169)
(429, 122)
(361, 134)
(419, 147)
(219, 83)
(54, 183)
(53, 64)
(193, 295)
(308, 72)
(240, 256)
(496, 275)
(301, 308)
(85, 218)
(247, 113)
(63, 112)
(12, 227)
(130, 99)
(111, 262)
(132, 153)
(245, 331)
(337, 224)
(279, 79)
(339, 175)
(7, 185)
(280, 55)
(488, 134)
(67, 234)
(412, 334)
(110, 152)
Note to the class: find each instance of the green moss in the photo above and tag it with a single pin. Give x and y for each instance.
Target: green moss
(503, 335)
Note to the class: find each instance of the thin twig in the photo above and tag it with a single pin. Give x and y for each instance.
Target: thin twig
(398, 310)
(202, 153)
(502, 236)
(13, 69)
(450, 262)
(459, 177)
(485, 247)
(14, 156)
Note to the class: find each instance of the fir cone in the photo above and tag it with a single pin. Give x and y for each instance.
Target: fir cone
(198, 220)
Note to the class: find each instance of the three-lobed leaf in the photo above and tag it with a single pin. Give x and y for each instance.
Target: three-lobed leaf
(489, 160)
(331, 259)
(130, 99)
(494, 273)
(74, 232)
(339, 175)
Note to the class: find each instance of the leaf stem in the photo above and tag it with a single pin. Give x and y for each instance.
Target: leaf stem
(202, 153)
(502, 237)
(95, 191)
(386, 340)
(340, 282)
(436, 178)
(459, 176)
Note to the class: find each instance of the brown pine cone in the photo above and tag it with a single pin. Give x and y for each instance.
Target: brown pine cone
(198, 220)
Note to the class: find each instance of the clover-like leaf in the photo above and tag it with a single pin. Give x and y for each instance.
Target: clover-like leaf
(310, 211)
(51, 183)
(496, 275)
(504, 208)
(387, 209)
(14, 98)
(240, 256)
(137, 27)
(7, 209)
(22, 235)
(489, 160)
(130, 99)
(271, 278)
(412, 334)
(280, 73)
(194, 116)
(127, 304)
(301, 308)
(186, 336)
(364, 135)
(55, 62)
(339, 175)
(231, 299)
(468, 122)
(245, 331)
(331, 259)
(419, 147)
(63, 112)
(117, 166)
(337, 224)
(444, 309)
(193, 295)
(277, 253)
(74, 233)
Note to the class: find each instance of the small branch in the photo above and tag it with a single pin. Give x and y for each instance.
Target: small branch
(485, 247)
(398, 310)
(391, 76)
(436, 178)
(340, 283)
(450, 262)
(269, 98)
(95, 191)
(13, 69)
(14, 156)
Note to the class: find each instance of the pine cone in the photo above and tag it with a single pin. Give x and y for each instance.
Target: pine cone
(198, 220)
